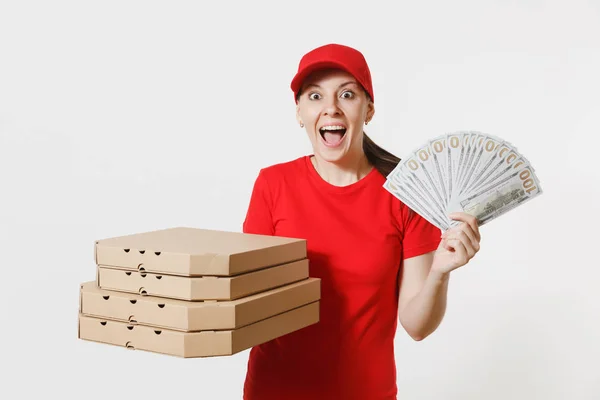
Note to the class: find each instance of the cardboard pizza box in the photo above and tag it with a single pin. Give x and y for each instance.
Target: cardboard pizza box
(181, 315)
(197, 288)
(197, 252)
(208, 343)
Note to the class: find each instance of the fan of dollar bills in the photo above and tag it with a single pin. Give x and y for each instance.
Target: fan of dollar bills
(466, 171)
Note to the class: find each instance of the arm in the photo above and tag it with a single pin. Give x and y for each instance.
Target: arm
(423, 292)
(424, 278)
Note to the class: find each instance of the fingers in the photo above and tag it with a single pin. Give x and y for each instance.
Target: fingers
(459, 248)
(468, 233)
(464, 235)
(463, 230)
(469, 220)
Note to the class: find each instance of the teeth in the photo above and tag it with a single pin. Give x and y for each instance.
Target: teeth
(332, 128)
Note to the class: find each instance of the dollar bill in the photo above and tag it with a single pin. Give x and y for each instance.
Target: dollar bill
(410, 182)
(415, 169)
(438, 151)
(496, 199)
(505, 158)
(455, 155)
(487, 155)
(468, 144)
(423, 157)
(410, 200)
(468, 171)
(474, 158)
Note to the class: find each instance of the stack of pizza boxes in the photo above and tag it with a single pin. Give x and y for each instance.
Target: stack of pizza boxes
(192, 292)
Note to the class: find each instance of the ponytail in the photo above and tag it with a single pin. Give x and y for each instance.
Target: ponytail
(381, 159)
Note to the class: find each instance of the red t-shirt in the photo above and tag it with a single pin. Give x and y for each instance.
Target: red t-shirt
(357, 236)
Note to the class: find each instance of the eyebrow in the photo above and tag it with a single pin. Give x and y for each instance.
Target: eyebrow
(342, 85)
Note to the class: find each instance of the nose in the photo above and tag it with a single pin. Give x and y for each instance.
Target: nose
(331, 107)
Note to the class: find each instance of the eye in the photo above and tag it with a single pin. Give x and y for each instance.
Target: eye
(347, 94)
(314, 96)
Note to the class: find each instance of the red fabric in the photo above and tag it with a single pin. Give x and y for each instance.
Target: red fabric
(356, 237)
(334, 56)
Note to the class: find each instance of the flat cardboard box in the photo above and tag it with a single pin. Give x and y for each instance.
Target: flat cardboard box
(203, 287)
(189, 316)
(196, 344)
(195, 252)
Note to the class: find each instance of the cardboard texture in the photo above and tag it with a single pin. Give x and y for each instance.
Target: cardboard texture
(202, 288)
(195, 316)
(191, 292)
(195, 252)
(196, 344)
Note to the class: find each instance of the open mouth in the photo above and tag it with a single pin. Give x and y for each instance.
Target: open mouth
(332, 134)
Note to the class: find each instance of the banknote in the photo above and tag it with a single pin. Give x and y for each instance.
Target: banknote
(455, 154)
(438, 153)
(486, 154)
(417, 172)
(411, 201)
(468, 171)
(407, 185)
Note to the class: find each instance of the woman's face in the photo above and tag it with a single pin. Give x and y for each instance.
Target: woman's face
(333, 108)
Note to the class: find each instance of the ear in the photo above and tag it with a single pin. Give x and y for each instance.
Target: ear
(370, 111)
(298, 114)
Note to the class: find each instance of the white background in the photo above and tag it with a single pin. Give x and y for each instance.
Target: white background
(122, 116)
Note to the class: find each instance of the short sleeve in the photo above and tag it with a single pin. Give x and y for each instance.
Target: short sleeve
(258, 218)
(419, 235)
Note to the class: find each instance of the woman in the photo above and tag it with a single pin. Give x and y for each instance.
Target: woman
(379, 262)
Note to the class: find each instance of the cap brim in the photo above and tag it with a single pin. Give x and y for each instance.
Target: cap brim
(296, 84)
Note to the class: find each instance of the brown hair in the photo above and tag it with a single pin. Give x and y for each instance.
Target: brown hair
(381, 159)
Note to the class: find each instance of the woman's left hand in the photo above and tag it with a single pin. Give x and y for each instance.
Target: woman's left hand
(458, 245)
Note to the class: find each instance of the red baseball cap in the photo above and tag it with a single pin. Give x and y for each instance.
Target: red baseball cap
(334, 56)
